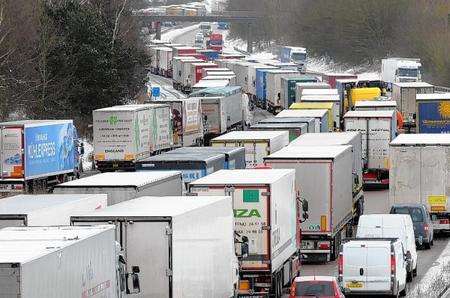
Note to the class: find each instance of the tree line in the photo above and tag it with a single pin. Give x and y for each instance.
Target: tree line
(60, 59)
(357, 32)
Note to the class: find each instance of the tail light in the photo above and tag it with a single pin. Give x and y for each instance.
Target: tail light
(393, 264)
(341, 264)
(324, 245)
(292, 292)
(443, 221)
(426, 228)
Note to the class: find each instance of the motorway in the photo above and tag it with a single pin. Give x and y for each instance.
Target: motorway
(433, 265)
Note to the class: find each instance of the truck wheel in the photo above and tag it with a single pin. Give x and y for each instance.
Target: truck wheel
(403, 293)
(409, 276)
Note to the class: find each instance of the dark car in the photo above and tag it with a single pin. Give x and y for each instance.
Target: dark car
(315, 286)
(423, 226)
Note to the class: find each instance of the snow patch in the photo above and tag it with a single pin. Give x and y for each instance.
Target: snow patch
(87, 156)
(170, 35)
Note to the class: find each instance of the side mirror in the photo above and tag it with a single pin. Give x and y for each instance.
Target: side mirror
(305, 206)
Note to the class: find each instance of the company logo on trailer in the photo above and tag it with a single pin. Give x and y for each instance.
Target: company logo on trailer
(444, 109)
(246, 213)
(113, 120)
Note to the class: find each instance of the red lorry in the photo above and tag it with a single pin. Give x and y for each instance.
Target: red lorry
(215, 42)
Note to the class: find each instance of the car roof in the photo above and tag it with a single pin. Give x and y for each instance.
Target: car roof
(315, 278)
(415, 205)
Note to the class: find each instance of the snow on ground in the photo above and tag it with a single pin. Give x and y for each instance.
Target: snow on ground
(87, 157)
(169, 35)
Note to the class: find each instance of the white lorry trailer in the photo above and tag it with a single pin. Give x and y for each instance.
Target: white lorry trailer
(395, 70)
(46, 210)
(274, 88)
(266, 225)
(299, 87)
(257, 144)
(184, 246)
(375, 105)
(420, 173)
(342, 138)
(70, 262)
(124, 186)
(324, 179)
(378, 129)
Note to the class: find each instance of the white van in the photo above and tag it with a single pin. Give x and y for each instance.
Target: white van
(373, 267)
(391, 226)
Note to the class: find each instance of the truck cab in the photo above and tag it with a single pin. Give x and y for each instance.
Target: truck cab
(408, 71)
(295, 55)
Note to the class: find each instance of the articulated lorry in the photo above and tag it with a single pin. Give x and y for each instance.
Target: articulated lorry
(296, 55)
(36, 155)
(399, 70)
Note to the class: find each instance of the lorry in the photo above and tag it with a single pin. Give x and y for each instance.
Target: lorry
(183, 246)
(342, 138)
(46, 210)
(296, 55)
(215, 42)
(376, 105)
(294, 129)
(399, 70)
(405, 96)
(206, 29)
(210, 55)
(257, 144)
(64, 262)
(222, 109)
(183, 50)
(230, 77)
(433, 113)
(234, 156)
(178, 69)
(251, 79)
(274, 88)
(331, 78)
(299, 87)
(125, 134)
(187, 121)
(164, 61)
(288, 88)
(420, 173)
(192, 165)
(36, 155)
(124, 186)
(330, 205)
(196, 73)
(309, 122)
(321, 116)
(334, 113)
(242, 78)
(261, 87)
(378, 129)
(266, 225)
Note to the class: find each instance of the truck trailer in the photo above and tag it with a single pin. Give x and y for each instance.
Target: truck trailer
(183, 246)
(36, 155)
(321, 116)
(288, 88)
(396, 70)
(299, 87)
(274, 88)
(433, 113)
(294, 129)
(124, 186)
(330, 204)
(266, 225)
(46, 210)
(309, 122)
(257, 144)
(420, 173)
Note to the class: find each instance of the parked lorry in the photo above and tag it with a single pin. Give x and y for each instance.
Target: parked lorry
(274, 88)
(164, 61)
(420, 173)
(252, 79)
(261, 87)
(187, 121)
(210, 54)
(46, 210)
(128, 133)
(294, 129)
(196, 73)
(215, 42)
(242, 78)
(234, 156)
(376, 105)
(299, 87)
(257, 144)
(37, 154)
(124, 186)
(330, 205)
(204, 84)
(309, 122)
(433, 113)
(405, 96)
(178, 69)
(266, 225)
(183, 246)
(331, 78)
(183, 50)
(342, 138)
(231, 78)
(63, 262)
(296, 55)
(321, 116)
(222, 109)
(395, 70)
(321, 102)
(378, 129)
(288, 88)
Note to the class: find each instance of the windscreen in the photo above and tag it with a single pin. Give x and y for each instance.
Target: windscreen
(415, 213)
(298, 56)
(314, 288)
(407, 72)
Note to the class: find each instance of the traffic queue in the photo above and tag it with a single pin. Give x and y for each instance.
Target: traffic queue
(193, 202)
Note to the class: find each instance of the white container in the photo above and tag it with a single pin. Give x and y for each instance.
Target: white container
(230, 78)
(46, 210)
(375, 105)
(184, 246)
(334, 139)
(265, 211)
(164, 60)
(405, 96)
(187, 121)
(121, 133)
(252, 76)
(55, 262)
(378, 129)
(202, 84)
(420, 173)
(186, 79)
(299, 87)
(321, 117)
(241, 71)
(324, 98)
(324, 179)
(257, 144)
(177, 65)
(161, 127)
(124, 186)
(273, 87)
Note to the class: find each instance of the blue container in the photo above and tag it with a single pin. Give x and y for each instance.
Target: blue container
(234, 156)
(261, 90)
(433, 116)
(210, 54)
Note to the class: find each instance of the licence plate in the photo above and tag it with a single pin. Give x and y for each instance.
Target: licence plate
(354, 285)
(307, 245)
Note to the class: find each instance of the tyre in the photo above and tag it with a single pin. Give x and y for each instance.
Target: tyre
(415, 272)
(432, 242)
(409, 276)
(427, 245)
(404, 292)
